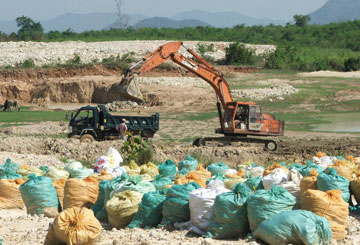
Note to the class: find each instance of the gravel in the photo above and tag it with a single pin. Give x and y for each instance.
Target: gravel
(42, 53)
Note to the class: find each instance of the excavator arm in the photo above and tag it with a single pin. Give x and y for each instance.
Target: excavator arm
(200, 67)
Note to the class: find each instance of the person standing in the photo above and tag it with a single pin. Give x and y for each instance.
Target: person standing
(122, 129)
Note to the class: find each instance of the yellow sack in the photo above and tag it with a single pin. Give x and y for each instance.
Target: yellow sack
(80, 193)
(122, 207)
(355, 186)
(57, 174)
(146, 177)
(271, 169)
(59, 187)
(10, 196)
(198, 176)
(102, 176)
(343, 168)
(132, 168)
(309, 182)
(76, 226)
(329, 205)
(150, 169)
(25, 170)
(229, 183)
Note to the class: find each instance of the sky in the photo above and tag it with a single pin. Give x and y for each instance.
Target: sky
(48, 9)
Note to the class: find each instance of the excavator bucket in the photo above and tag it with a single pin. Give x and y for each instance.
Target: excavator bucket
(129, 88)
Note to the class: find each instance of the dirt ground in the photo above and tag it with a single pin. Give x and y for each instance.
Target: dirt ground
(34, 144)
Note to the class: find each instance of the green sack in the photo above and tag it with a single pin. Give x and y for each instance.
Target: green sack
(332, 181)
(8, 170)
(167, 169)
(81, 173)
(254, 183)
(189, 163)
(105, 188)
(263, 204)
(306, 171)
(229, 219)
(160, 182)
(216, 168)
(150, 210)
(39, 194)
(176, 205)
(294, 227)
(218, 176)
(183, 171)
(142, 187)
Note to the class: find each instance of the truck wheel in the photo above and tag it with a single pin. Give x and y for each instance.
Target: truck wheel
(271, 145)
(87, 138)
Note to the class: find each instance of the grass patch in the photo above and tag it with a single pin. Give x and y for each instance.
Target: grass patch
(32, 116)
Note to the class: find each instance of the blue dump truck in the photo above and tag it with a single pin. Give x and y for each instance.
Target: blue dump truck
(95, 123)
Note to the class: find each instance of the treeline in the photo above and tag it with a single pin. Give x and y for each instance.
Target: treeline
(300, 46)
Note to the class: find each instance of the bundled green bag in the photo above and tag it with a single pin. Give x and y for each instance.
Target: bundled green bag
(39, 195)
(142, 187)
(189, 163)
(229, 219)
(254, 183)
(167, 169)
(176, 205)
(8, 170)
(105, 188)
(294, 227)
(160, 182)
(306, 171)
(150, 210)
(218, 176)
(81, 173)
(332, 181)
(217, 168)
(263, 204)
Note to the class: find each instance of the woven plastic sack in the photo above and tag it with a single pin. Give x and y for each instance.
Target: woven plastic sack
(102, 176)
(59, 186)
(254, 183)
(343, 168)
(176, 205)
(150, 210)
(277, 176)
(39, 196)
(265, 203)
(201, 203)
(355, 188)
(294, 227)
(10, 196)
(160, 182)
(189, 163)
(25, 170)
(329, 205)
(311, 165)
(293, 189)
(229, 183)
(273, 167)
(199, 176)
(167, 169)
(309, 182)
(8, 170)
(80, 193)
(257, 171)
(229, 219)
(218, 176)
(142, 187)
(81, 173)
(132, 168)
(117, 172)
(74, 226)
(114, 158)
(146, 177)
(57, 174)
(332, 181)
(105, 188)
(150, 169)
(122, 207)
(72, 165)
(217, 168)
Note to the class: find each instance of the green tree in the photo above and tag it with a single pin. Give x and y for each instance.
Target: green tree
(301, 20)
(239, 54)
(29, 30)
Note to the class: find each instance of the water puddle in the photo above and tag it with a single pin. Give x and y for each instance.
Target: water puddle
(346, 123)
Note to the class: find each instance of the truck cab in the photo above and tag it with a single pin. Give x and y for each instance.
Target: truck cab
(96, 123)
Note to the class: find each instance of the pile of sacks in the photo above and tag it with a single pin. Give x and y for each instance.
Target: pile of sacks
(279, 204)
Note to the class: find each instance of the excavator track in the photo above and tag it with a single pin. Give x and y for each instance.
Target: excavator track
(269, 144)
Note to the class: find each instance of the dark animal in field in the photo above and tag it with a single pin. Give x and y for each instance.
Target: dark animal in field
(8, 104)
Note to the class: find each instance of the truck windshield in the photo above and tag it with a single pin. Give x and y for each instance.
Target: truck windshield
(83, 114)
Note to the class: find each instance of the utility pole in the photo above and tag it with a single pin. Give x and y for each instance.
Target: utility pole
(123, 19)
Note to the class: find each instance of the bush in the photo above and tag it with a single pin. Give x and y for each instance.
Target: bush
(123, 61)
(352, 64)
(239, 54)
(137, 149)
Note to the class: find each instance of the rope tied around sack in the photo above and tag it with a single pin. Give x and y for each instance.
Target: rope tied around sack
(75, 225)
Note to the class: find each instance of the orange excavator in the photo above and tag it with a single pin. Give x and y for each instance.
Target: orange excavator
(238, 120)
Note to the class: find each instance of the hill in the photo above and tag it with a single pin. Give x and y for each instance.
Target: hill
(159, 22)
(336, 11)
(224, 19)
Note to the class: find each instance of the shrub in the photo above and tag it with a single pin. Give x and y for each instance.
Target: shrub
(352, 64)
(239, 54)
